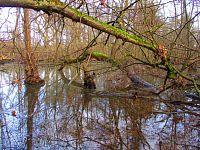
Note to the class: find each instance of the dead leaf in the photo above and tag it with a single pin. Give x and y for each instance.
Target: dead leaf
(103, 2)
(18, 83)
(15, 81)
(162, 51)
(14, 113)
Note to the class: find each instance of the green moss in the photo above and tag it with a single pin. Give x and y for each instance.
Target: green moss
(117, 32)
(99, 55)
(78, 13)
(171, 72)
(57, 4)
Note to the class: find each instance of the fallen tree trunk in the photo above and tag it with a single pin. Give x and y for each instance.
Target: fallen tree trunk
(140, 83)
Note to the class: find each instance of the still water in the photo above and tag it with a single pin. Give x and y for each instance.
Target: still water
(62, 115)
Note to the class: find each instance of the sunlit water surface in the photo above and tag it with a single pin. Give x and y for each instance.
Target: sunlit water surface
(62, 116)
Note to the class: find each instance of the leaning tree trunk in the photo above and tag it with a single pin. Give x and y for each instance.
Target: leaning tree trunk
(31, 70)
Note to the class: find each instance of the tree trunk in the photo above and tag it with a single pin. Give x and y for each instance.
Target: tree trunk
(31, 70)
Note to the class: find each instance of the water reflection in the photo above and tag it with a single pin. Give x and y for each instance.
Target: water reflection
(60, 116)
(31, 96)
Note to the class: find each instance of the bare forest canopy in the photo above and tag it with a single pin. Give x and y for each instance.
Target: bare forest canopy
(75, 15)
(162, 47)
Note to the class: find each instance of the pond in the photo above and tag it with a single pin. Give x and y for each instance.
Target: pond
(62, 115)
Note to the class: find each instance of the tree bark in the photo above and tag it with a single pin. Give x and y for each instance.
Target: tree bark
(31, 70)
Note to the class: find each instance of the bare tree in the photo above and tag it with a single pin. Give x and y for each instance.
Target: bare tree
(31, 71)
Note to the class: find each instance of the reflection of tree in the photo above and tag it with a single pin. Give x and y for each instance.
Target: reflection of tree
(32, 97)
(181, 127)
(81, 123)
(105, 122)
(134, 111)
(120, 127)
(87, 120)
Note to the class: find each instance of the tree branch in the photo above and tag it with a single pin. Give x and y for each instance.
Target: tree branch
(75, 15)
